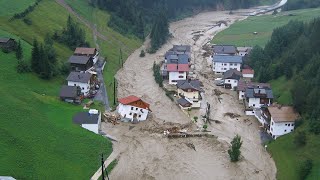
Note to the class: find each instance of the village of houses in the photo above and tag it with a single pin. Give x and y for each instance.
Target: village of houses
(228, 66)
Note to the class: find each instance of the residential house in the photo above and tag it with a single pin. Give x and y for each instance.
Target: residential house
(83, 80)
(7, 178)
(70, 94)
(189, 90)
(133, 108)
(90, 52)
(248, 73)
(177, 67)
(80, 63)
(223, 63)
(278, 120)
(244, 51)
(89, 120)
(224, 50)
(7, 44)
(231, 78)
(258, 96)
(243, 85)
(181, 49)
(184, 104)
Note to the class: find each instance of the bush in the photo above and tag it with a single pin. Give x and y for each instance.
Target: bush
(195, 119)
(300, 139)
(234, 151)
(23, 67)
(205, 126)
(27, 21)
(305, 169)
(142, 53)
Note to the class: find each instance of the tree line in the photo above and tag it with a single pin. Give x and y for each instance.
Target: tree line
(293, 52)
(26, 11)
(301, 4)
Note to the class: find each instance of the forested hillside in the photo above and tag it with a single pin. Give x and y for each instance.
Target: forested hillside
(301, 4)
(292, 57)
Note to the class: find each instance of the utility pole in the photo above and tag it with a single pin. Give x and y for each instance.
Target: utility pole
(114, 91)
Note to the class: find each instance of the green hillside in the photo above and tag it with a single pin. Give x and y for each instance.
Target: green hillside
(38, 139)
(241, 33)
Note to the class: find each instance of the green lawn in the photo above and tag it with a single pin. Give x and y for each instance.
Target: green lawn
(281, 90)
(288, 157)
(38, 138)
(11, 7)
(241, 33)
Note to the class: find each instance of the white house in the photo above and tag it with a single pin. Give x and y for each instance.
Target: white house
(257, 97)
(190, 91)
(223, 63)
(243, 85)
(248, 73)
(243, 51)
(231, 78)
(89, 120)
(83, 80)
(133, 108)
(177, 72)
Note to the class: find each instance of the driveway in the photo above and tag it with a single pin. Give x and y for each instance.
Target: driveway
(102, 94)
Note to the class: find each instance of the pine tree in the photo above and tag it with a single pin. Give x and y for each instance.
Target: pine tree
(35, 57)
(19, 51)
(234, 151)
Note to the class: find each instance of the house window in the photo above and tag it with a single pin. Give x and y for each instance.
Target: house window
(75, 85)
(228, 80)
(131, 108)
(180, 76)
(225, 64)
(253, 105)
(292, 124)
(224, 68)
(271, 129)
(272, 123)
(83, 88)
(235, 81)
(235, 64)
(137, 109)
(130, 114)
(139, 116)
(285, 130)
(291, 130)
(242, 95)
(285, 124)
(231, 64)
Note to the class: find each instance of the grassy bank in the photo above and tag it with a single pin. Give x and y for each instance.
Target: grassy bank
(241, 33)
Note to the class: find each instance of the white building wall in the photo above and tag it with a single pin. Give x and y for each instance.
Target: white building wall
(127, 112)
(241, 53)
(233, 82)
(247, 75)
(241, 95)
(255, 102)
(91, 127)
(280, 128)
(85, 87)
(177, 76)
(219, 67)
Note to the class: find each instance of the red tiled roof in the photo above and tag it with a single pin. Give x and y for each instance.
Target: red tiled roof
(177, 67)
(130, 100)
(247, 71)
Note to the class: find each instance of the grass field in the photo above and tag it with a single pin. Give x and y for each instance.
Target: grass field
(288, 157)
(10, 7)
(241, 33)
(281, 90)
(38, 138)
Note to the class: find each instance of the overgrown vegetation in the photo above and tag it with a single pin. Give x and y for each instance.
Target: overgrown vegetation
(157, 75)
(72, 35)
(26, 11)
(301, 4)
(234, 151)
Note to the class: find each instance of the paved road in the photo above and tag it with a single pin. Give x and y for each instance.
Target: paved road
(269, 9)
(102, 94)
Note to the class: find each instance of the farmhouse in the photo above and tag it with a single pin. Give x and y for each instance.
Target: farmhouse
(278, 120)
(7, 43)
(89, 120)
(70, 94)
(80, 63)
(243, 85)
(83, 80)
(248, 73)
(257, 97)
(224, 50)
(90, 52)
(133, 108)
(243, 51)
(231, 78)
(223, 63)
(190, 91)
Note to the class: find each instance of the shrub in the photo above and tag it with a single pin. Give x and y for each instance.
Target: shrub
(234, 151)
(305, 169)
(23, 67)
(195, 119)
(205, 126)
(27, 21)
(142, 53)
(300, 139)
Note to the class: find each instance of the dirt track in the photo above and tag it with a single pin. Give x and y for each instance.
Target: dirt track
(146, 154)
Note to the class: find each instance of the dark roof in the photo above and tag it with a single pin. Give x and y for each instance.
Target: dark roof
(232, 74)
(181, 48)
(243, 85)
(178, 59)
(79, 77)
(227, 59)
(189, 84)
(5, 40)
(224, 49)
(79, 59)
(68, 91)
(258, 92)
(184, 103)
(85, 118)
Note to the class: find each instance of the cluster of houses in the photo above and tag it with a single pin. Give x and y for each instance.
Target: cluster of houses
(82, 81)
(176, 69)
(257, 98)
